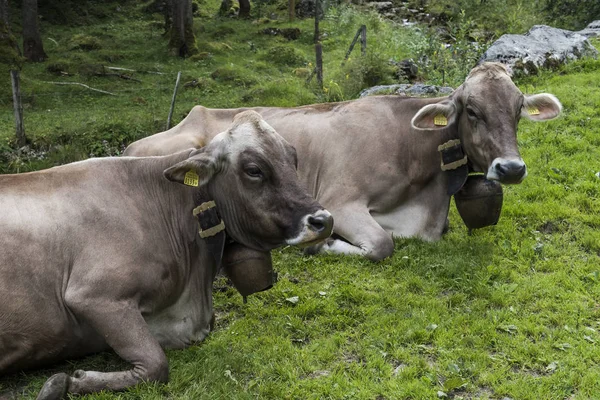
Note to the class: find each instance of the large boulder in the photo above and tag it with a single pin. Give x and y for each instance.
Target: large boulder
(593, 29)
(405, 89)
(542, 46)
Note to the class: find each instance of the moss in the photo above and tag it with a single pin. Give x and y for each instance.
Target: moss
(186, 48)
(59, 67)
(222, 31)
(84, 42)
(302, 72)
(204, 84)
(202, 55)
(285, 56)
(231, 74)
(91, 69)
(9, 53)
(217, 47)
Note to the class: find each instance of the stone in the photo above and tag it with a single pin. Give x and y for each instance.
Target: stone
(542, 47)
(381, 6)
(405, 89)
(407, 69)
(593, 29)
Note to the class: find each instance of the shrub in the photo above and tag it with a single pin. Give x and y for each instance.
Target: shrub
(359, 73)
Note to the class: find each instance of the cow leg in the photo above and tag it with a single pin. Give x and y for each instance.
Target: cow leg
(363, 234)
(124, 329)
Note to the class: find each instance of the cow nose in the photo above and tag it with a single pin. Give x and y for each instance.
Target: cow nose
(510, 171)
(321, 222)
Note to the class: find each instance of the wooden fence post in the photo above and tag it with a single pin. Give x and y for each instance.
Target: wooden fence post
(318, 48)
(362, 32)
(173, 100)
(18, 107)
(319, 62)
(363, 40)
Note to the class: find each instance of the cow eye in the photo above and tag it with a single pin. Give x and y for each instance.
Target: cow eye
(471, 113)
(254, 172)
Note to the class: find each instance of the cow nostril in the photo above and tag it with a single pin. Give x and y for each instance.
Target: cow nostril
(501, 169)
(521, 170)
(317, 223)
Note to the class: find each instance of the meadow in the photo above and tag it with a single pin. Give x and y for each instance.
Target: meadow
(510, 311)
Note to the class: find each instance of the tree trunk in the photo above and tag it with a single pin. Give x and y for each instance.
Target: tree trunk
(244, 9)
(318, 48)
(225, 7)
(33, 48)
(10, 54)
(182, 41)
(4, 12)
(292, 9)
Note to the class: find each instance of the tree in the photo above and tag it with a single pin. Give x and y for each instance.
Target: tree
(244, 9)
(9, 49)
(11, 56)
(33, 48)
(182, 40)
(292, 10)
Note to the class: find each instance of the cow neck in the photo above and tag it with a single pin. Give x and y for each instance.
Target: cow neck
(211, 227)
(454, 161)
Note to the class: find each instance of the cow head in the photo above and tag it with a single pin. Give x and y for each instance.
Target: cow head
(250, 173)
(487, 108)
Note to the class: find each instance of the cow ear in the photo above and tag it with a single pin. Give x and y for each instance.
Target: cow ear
(435, 116)
(197, 170)
(541, 107)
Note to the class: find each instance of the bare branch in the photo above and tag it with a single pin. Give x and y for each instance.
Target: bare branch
(79, 84)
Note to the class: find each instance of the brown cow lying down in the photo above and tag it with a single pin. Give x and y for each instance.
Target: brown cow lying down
(106, 253)
(374, 162)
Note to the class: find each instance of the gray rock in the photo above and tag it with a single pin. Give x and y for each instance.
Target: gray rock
(382, 6)
(593, 29)
(405, 89)
(542, 46)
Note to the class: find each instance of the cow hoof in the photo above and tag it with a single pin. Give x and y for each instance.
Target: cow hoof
(55, 388)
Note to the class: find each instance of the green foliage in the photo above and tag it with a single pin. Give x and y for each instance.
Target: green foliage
(359, 73)
(572, 14)
(517, 16)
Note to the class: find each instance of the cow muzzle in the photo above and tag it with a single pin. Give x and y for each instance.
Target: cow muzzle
(507, 171)
(314, 229)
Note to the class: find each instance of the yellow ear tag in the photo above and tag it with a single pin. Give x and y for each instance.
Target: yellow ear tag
(440, 120)
(533, 111)
(191, 178)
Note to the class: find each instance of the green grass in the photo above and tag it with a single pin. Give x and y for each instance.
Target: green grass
(510, 311)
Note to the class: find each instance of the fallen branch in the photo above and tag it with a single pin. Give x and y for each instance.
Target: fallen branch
(133, 70)
(80, 84)
(122, 76)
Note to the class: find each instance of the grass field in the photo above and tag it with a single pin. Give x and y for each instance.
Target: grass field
(512, 311)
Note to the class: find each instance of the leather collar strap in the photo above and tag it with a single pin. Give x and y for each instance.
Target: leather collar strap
(454, 164)
(211, 230)
(208, 219)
